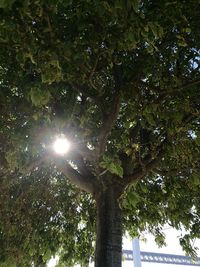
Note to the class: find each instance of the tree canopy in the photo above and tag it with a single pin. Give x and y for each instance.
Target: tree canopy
(120, 79)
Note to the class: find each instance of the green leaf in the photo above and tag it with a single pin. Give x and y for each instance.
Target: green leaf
(113, 166)
(195, 178)
(182, 43)
(187, 30)
(116, 169)
(39, 97)
(146, 28)
(160, 239)
(133, 198)
(47, 255)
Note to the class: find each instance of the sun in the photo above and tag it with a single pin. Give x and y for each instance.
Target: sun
(61, 145)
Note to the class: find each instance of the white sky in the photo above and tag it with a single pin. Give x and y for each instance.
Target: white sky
(173, 247)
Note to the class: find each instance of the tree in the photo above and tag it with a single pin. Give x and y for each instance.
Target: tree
(121, 80)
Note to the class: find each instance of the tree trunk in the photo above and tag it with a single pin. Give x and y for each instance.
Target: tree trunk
(109, 229)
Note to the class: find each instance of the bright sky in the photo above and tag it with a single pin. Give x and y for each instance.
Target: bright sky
(172, 247)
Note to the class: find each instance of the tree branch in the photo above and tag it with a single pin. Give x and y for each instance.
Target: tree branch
(86, 183)
(180, 172)
(79, 161)
(142, 171)
(148, 163)
(107, 125)
(84, 180)
(94, 69)
(114, 111)
(173, 91)
(85, 153)
(134, 132)
(185, 86)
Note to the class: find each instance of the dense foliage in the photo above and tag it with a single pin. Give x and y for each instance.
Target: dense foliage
(121, 80)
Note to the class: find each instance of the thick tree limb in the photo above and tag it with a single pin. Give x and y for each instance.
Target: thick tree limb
(85, 153)
(84, 180)
(86, 183)
(79, 162)
(107, 125)
(114, 111)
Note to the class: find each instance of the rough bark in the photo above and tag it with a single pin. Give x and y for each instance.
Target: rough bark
(109, 229)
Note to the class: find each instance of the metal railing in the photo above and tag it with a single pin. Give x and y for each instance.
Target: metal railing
(161, 258)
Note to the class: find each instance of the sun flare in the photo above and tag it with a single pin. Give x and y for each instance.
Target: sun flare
(61, 145)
